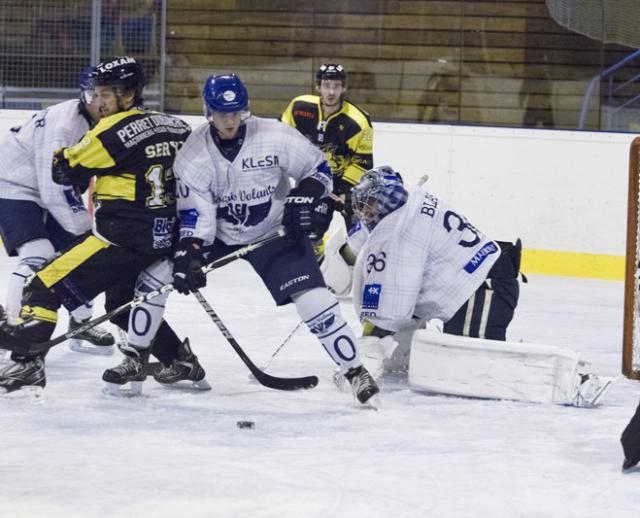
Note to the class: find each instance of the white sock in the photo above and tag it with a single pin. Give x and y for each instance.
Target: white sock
(320, 310)
(32, 255)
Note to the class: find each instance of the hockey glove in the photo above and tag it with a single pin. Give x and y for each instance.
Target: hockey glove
(59, 168)
(299, 205)
(322, 215)
(187, 267)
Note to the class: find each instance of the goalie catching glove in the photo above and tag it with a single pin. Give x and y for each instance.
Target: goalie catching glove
(187, 267)
(299, 205)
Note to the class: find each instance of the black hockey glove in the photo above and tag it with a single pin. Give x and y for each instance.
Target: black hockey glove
(322, 215)
(59, 168)
(299, 206)
(187, 267)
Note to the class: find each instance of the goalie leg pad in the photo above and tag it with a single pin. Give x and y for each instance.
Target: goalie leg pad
(493, 369)
(337, 273)
(375, 352)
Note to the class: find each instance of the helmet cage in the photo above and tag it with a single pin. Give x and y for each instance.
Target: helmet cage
(378, 193)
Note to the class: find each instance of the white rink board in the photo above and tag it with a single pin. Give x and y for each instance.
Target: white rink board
(557, 190)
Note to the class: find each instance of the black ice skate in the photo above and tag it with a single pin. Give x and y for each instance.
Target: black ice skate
(132, 369)
(22, 374)
(95, 340)
(3, 314)
(184, 368)
(363, 385)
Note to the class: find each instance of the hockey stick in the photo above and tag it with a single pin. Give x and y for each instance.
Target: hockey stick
(263, 378)
(284, 342)
(12, 343)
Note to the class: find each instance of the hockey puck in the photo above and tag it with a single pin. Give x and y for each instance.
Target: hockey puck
(246, 424)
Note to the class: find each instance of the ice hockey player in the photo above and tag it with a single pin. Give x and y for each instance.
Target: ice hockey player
(342, 130)
(131, 152)
(631, 442)
(423, 260)
(427, 262)
(234, 188)
(38, 217)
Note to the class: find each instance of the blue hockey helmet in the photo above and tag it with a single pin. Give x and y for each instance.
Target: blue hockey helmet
(224, 93)
(379, 192)
(85, 84)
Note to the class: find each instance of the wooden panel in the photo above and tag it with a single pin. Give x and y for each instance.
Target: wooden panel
(478, 62)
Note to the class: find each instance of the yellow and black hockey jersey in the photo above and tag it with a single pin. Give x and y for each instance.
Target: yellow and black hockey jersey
(346, 137)
(131, 153)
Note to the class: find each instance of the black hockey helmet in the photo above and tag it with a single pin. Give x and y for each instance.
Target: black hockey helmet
(331, 71)
(123, 72)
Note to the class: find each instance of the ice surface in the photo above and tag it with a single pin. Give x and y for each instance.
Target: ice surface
(316, 453)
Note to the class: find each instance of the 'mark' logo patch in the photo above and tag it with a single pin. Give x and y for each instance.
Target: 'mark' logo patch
(371, 296)
(481, 255)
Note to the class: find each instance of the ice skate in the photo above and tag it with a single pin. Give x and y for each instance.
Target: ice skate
(363, 385)
(95, 340)
(24, 374)
(184, 368)
(592, 390)
(132, 369)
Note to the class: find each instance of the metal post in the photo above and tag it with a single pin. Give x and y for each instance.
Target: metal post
(96, 37)
(163, 48)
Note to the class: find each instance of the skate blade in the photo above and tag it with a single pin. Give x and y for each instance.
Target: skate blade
(340, 382)
(631, 469)
(131, 389)
(373, 403)
(32, 393)
(597, 399)
(5, 356)
(195, 386)
(80, 346)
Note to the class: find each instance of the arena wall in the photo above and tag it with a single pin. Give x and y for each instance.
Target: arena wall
(564, 193)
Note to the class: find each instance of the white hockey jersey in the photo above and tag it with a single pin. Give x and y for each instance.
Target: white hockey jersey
(26, 159)
(423, 260)
(241, 201)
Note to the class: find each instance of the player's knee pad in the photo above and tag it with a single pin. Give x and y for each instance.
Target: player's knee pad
(34, 254)
(37, 295)
(321, 313)
(145, 319)
(39, 313)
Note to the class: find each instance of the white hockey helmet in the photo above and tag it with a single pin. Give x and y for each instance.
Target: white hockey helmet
(379, 192)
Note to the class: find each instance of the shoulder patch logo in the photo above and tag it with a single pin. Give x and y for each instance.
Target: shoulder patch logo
(371, 296)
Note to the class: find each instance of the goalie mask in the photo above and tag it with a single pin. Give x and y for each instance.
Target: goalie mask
(378, 193)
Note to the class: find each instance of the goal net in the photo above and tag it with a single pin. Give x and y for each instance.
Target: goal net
(631, 336)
